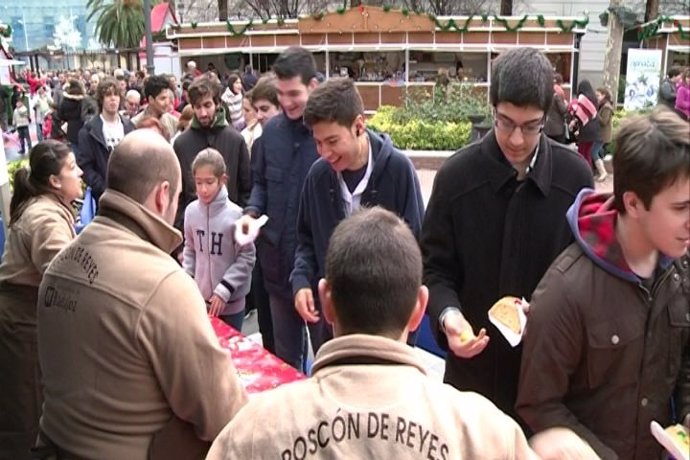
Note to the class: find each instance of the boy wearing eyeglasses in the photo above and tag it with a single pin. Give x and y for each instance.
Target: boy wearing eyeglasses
(495, 222)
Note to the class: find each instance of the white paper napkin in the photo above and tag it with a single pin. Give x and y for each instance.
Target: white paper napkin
(667, 441)
(242, 238)
(512, 338)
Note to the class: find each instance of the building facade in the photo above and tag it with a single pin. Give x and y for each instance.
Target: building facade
(35, 24)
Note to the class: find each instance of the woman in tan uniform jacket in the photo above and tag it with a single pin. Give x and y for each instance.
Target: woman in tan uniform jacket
(41, 223)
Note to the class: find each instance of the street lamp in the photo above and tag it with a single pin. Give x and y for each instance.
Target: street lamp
(150, 69)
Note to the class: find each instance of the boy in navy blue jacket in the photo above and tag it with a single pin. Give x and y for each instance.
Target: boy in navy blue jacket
(358, 168)
(281, 159)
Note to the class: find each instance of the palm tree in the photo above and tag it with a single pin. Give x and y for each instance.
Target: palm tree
(119, 23)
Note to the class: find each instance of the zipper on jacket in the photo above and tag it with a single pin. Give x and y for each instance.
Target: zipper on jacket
(208, 247)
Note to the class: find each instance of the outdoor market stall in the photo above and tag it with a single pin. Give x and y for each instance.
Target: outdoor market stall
(671, 35)
(386, 51)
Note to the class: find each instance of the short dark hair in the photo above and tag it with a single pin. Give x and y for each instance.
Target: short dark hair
(265, 88)
(105, 87)
(336, 100)
(295, 62)
(652, 152)
(202, 87)
(674, 71)
(522, 77)
(374, 269)
(154, 85)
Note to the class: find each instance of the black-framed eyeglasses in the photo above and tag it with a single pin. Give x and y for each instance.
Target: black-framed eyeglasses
(507, 125)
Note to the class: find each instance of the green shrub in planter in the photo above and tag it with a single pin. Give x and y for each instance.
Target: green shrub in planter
(416, 134)
(436, 120)
(12, 167)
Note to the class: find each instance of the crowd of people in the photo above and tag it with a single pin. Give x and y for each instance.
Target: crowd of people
(106, 333)
(587, 119)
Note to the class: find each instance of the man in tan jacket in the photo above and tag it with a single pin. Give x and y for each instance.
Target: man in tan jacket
(369, 396)
(131, 367)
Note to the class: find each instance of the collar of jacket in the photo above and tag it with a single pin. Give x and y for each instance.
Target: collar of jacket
(501, 171)
(592, 219)
(218, 203)
(381, 148)
(218, 122)
(294, 126)
(136, 218)
(66, 207)
(358, 349)
(95, 127)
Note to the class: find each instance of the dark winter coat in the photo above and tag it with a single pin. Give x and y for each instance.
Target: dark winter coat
(93, 154)
(393, 185)
(231, 146)
(75, 110)
(604, 355)
(487, 235)
(281, 160)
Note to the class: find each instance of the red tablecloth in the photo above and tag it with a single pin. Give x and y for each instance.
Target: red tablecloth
(258, 369)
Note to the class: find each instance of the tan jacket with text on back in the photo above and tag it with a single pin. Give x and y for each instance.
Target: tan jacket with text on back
(370, 398)
(125, 344)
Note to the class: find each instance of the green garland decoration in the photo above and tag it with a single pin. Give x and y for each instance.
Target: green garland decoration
(340, 10)
(506, 25)
(651, 29)
(386, 8)
(318, 16)
(683, 34)
(240, 31)
(582, 23)
(194, 24)
(452, 25)
(405, 12)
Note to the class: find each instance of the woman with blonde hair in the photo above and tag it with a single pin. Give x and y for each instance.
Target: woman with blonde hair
(41, 224)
